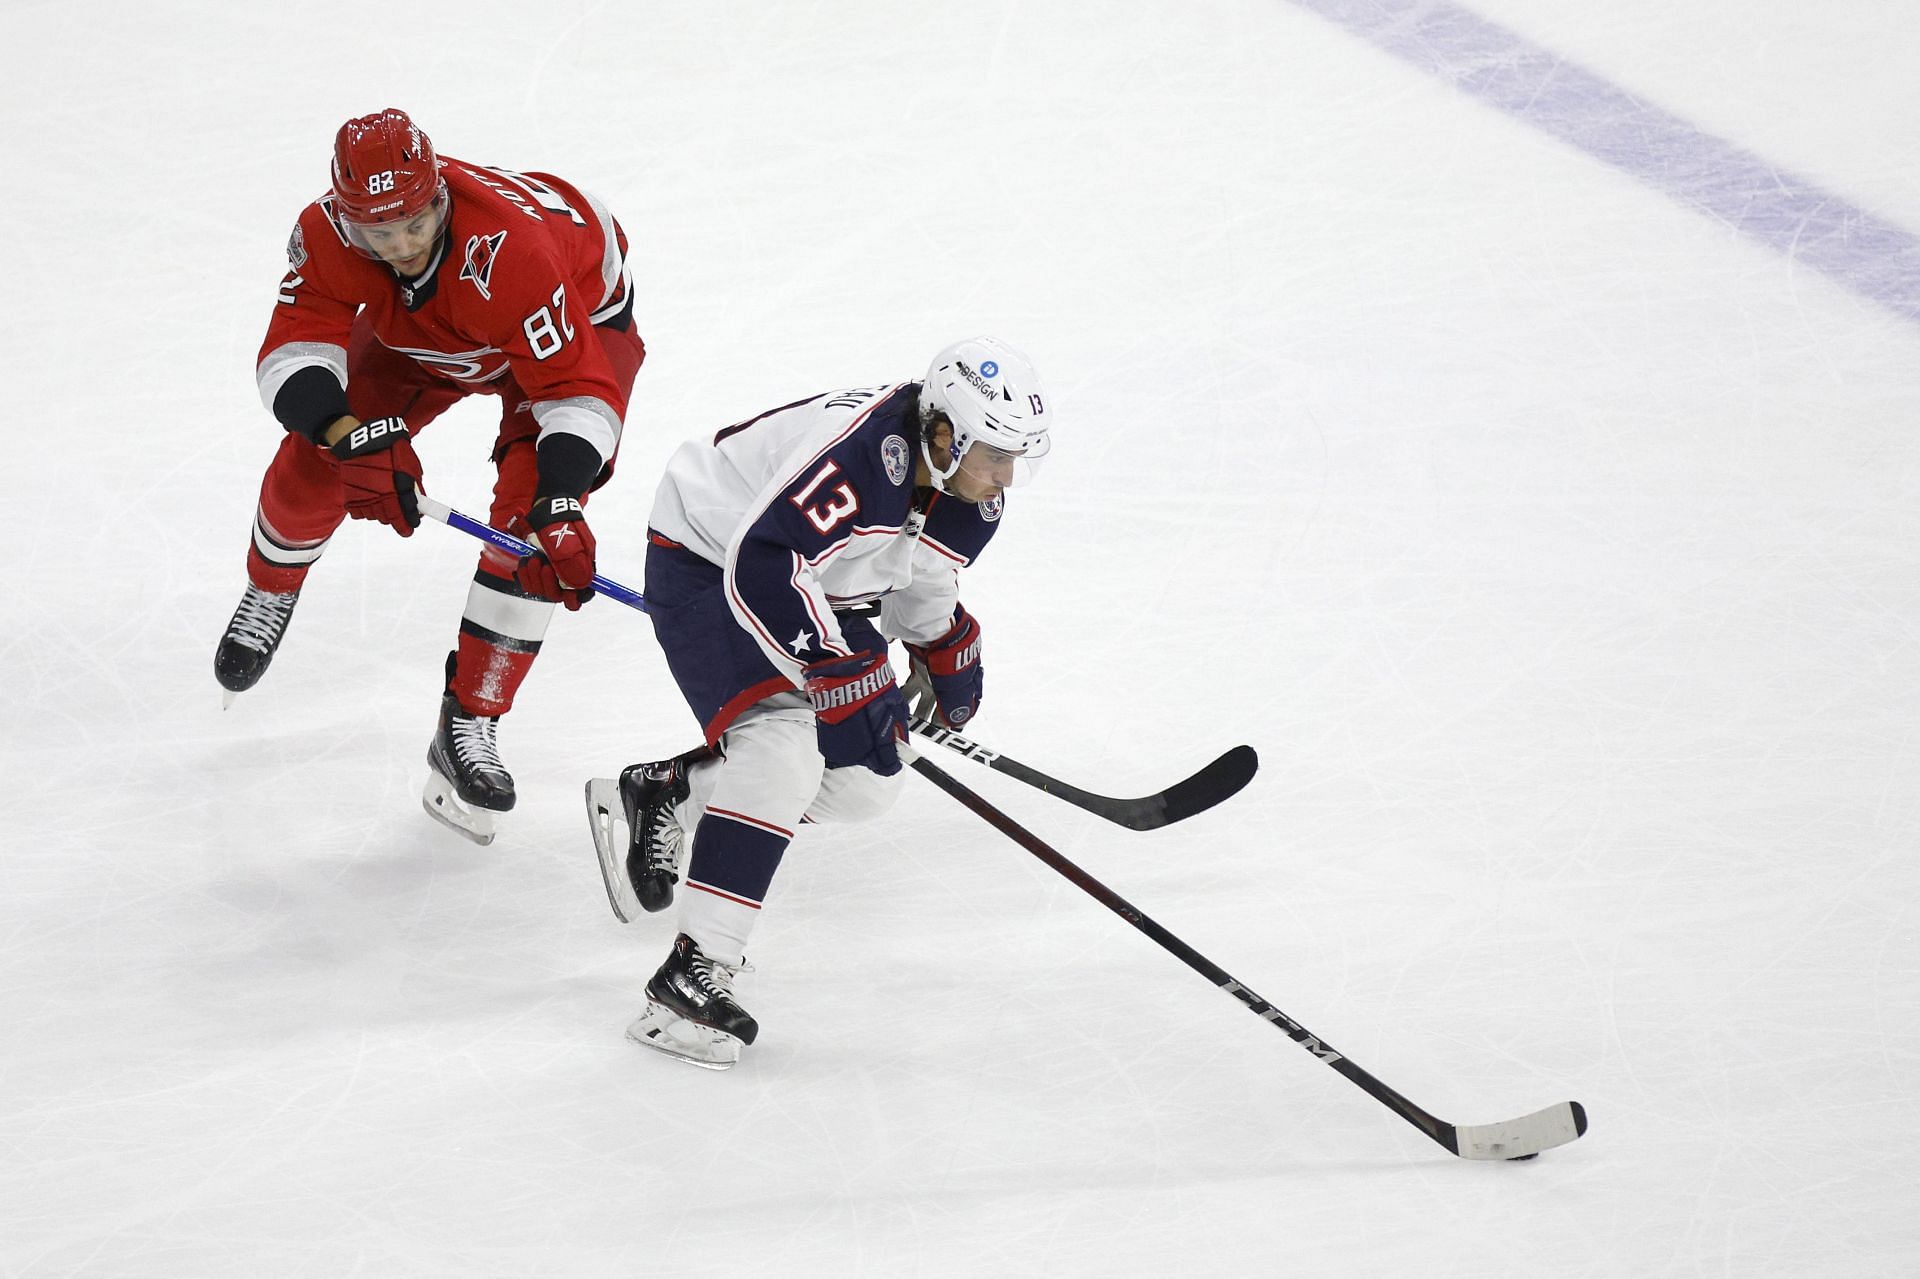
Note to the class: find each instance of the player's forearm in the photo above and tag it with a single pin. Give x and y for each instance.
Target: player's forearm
(567, 465)
(303, 384)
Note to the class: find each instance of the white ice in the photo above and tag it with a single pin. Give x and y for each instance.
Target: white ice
(1555, 546)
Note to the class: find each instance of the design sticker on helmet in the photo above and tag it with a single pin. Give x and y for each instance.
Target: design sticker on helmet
(978, 382)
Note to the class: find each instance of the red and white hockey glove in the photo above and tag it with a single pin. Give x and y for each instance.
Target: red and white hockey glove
(562, 569)
(859, 712)
(380, 474)
(947, 681)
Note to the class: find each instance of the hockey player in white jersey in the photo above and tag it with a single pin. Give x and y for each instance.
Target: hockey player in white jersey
(783, 554)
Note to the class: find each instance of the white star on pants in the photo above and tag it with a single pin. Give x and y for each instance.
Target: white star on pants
(799, 642)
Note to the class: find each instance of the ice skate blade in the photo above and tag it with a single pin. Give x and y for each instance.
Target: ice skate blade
(608, 818)
(447, 808)
(226, 698)
(666, 1031)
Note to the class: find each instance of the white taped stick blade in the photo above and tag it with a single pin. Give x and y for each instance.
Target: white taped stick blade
(608, 818)
(663, 1030)
(1524, 1137)
(447, 808)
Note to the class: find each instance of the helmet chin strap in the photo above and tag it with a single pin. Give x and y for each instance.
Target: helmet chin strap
(938, 476)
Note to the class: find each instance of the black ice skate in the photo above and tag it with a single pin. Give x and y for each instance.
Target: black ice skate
(252, 635)
(640, 871)
(691, 1013)
(466, 782)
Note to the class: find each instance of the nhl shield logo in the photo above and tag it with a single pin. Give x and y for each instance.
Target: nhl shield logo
(482, 252)
(893, 452)
(297, 247)
(991, 508)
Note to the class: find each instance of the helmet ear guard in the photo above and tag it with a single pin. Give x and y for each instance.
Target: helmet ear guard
(939, 473)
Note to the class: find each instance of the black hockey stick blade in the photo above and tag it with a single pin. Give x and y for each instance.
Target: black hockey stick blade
(1218, 781)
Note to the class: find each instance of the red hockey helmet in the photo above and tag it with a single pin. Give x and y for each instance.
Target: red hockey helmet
(384, 171)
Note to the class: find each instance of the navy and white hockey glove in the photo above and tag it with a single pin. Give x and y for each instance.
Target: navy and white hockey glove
(859, 712)
(562, 569)
(947, 682)
(380, 474)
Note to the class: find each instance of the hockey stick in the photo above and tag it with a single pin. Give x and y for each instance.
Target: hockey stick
(1220, 780)
(1521, 1138)
(514, 546)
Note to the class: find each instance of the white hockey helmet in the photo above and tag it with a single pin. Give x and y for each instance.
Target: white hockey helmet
(991, 394)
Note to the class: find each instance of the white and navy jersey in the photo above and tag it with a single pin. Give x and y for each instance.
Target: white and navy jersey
(811, 507)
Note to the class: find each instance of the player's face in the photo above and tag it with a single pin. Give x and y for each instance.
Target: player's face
(984, 472)
(405, 244)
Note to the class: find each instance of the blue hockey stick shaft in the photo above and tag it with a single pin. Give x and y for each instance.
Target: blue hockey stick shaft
(508, 542)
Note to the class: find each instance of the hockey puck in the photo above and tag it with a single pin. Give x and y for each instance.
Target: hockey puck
(1518, 1158)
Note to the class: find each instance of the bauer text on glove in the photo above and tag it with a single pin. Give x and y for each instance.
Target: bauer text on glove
(380, 474)
(562, 567)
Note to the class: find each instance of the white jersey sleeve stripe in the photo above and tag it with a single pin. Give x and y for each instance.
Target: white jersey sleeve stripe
(587, 416)
(284, 361)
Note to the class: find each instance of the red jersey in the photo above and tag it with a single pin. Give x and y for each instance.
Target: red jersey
(527, 265)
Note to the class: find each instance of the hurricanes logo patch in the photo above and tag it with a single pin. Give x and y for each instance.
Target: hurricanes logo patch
(482, 252)
(297, 247)
(893, 453)
(991, 508)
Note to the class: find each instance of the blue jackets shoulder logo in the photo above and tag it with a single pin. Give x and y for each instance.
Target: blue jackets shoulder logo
(893, 454)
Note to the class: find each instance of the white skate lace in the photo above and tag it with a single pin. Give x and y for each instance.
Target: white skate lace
(260, 619)
(473, 741)
(665, 838)
(714, 978)
(664, 841)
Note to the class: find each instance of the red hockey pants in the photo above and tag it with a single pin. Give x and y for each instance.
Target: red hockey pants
(301, 504)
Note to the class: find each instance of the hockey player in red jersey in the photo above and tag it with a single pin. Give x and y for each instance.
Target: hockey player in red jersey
(416, 281)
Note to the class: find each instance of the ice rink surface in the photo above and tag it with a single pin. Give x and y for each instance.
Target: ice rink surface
(1551, 530)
